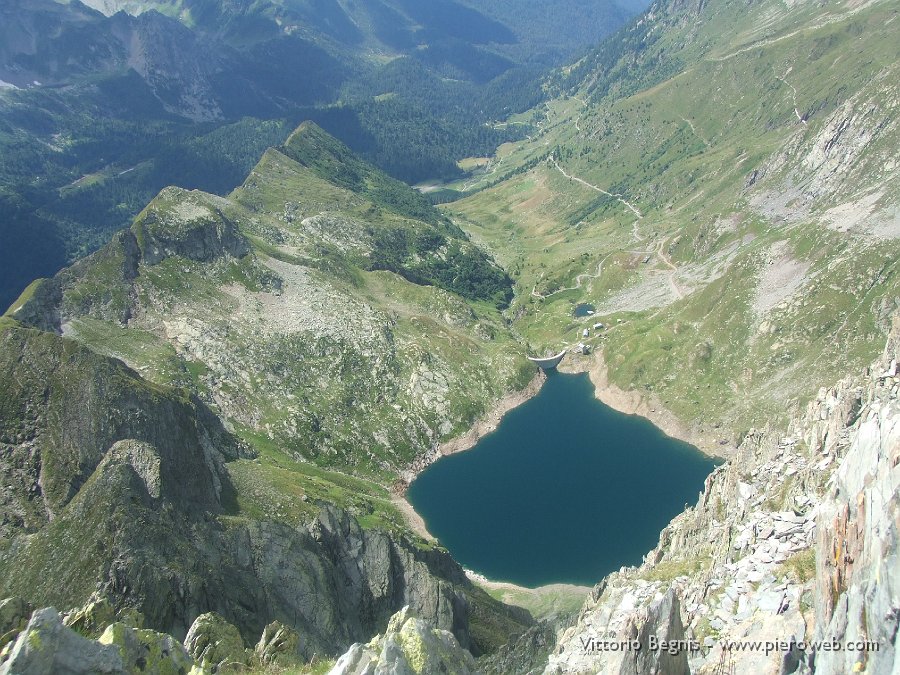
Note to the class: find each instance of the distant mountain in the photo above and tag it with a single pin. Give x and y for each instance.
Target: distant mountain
(345, 261)
(101, 106)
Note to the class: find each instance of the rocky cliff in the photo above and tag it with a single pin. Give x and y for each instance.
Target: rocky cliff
(122, 488)
(787, 563)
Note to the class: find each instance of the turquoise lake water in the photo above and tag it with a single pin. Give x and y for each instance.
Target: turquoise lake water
(565, 490)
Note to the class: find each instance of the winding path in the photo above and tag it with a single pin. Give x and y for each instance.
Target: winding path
(579, 280)
(793, 90)
(671, 276)
(694, 131)
(618, 197)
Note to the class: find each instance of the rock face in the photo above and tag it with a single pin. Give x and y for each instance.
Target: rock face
(858, 562)
(793, 541)
(189, 225)
(526, 655)
(410, 645)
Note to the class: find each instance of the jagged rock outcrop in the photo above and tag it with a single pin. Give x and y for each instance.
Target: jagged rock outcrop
(189, 225)
(378, 576)
(117, 487)
(147, 651)
(177, 223)
(276, 642)
(857, 593)
(793, 543)
(409, 645)
(215, 643)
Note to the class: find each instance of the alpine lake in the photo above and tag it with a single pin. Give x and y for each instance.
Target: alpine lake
(565, 490)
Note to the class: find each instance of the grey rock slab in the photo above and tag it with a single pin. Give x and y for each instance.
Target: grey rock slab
(48, 646)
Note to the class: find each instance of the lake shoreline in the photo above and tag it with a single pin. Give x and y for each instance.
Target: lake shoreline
(481, 580)
(634, 402)
(483, 426)
(627, 402)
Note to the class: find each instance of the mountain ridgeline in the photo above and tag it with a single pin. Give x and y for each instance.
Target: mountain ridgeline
(125, 488)
(111, 102)
(318, 266)
(208, 420)
(268, 336)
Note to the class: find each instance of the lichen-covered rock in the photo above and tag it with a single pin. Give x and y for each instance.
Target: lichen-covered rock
(358, 660)
(215, 643)
(146, 651)
(409, 646)
(277, 640)
(91, 619)
(48, 646)
(14, 614)
(857, 595)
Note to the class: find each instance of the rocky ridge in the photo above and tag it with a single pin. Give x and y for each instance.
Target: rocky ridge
(319, 349)
(793, 540)
(123, 489)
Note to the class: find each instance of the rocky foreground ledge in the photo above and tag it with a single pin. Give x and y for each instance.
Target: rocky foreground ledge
(787, 564)
(94, 640)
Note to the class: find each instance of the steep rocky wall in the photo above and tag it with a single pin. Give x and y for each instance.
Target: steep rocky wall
(793, 540)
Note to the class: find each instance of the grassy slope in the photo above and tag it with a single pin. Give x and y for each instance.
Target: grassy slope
(368, 371)
(716, 161)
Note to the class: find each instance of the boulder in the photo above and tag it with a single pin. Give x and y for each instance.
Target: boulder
(48, 646)
(409, 646)
(277, 640)
(146, 651)
(215, 643)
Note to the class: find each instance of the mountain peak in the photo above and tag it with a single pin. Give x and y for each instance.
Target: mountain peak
(312, 147)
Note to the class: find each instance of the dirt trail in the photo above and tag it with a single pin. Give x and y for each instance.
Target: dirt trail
(695, 132)
(618, 197)
(805, 29)
(493, 166)
(579, 281)
(671, 277)
(793, 90)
